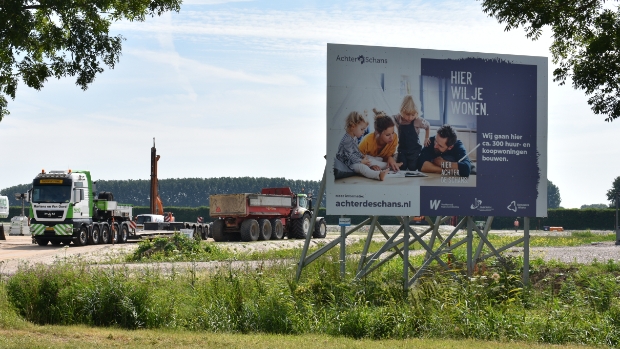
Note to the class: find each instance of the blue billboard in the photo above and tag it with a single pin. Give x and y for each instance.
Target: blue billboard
(426, 132)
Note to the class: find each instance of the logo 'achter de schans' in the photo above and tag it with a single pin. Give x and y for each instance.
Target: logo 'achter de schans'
(361, 59)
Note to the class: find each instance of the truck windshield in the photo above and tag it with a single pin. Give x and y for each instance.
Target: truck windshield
(143, 219)
(51, 193)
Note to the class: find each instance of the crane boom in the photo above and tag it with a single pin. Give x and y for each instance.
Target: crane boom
(157, 206)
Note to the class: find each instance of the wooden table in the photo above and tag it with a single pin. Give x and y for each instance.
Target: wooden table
(433, 180)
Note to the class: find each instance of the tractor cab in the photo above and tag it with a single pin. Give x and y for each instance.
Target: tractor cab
(302, 201)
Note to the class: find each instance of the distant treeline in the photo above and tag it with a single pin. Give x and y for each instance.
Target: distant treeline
(184, 192)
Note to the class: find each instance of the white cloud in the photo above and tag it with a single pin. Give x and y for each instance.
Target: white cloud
(418, 24)
(201, 71)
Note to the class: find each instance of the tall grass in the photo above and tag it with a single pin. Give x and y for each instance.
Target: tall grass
(565, 304)
(9, 318)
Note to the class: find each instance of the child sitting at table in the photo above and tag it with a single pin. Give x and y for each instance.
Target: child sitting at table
(349, 155)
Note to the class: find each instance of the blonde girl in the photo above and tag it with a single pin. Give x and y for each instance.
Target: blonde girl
(348, 157)
(409, 123)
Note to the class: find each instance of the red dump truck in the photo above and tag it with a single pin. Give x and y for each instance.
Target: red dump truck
(272, 214)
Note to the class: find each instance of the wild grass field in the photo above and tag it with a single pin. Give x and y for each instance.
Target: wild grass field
(72, 303)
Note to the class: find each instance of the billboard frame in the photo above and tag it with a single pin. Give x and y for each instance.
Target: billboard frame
(369, 263)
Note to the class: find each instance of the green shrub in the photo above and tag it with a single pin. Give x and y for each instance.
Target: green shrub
(177, 247)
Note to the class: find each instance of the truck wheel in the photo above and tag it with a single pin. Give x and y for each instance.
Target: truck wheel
(265, 229)
(123, 234)
(249, 230)
(320, 228)
(277, 230)
(198, 233)
(105, 234)
(218, 231)
(82, 238)
(42, 242)
(114, 234)
(300, 227)
(95, 237)
(205, 232)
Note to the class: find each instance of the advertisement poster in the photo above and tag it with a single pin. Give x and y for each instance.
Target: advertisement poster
(427, 132)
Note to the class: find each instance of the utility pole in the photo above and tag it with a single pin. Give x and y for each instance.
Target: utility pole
(22, 197)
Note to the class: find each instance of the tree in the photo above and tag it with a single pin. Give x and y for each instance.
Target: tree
(586, 43)
(40, 39)
(595, 206)
(615, 188)
(553, 195)
(186, 192)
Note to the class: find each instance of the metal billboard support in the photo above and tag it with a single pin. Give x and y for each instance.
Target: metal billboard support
(395, 246)
(617, 225)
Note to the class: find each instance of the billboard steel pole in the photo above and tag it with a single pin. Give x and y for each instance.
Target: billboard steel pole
(617, 225)
(406, 255)
(343, 251)
(367, 244)
(526, 251)
(470, 262)
(304, 252)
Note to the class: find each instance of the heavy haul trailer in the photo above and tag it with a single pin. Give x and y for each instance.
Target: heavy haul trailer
(149, 225)
(66, 208)
(272, 214)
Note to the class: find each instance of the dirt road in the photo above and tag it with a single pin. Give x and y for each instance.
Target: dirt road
(19, 250)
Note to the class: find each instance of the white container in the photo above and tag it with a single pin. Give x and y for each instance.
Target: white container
(189, 233)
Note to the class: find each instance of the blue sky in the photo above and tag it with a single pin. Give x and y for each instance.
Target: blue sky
(237, 88)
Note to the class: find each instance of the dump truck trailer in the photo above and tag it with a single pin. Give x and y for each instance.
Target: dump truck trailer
(272, 214)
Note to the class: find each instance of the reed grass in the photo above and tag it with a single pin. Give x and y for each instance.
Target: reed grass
(566, 304)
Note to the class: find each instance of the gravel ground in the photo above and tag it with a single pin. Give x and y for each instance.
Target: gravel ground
(18, 250)
(600, 251)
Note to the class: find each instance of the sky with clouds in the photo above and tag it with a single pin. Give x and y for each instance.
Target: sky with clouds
(238, 88)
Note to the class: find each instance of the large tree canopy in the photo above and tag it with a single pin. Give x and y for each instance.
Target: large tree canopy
(553, 195)
(40, 39)
(586, 43)
(615, 189)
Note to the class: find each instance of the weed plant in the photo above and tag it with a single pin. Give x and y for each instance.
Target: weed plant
(177, 248)
(180, 248)
(565, 304)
